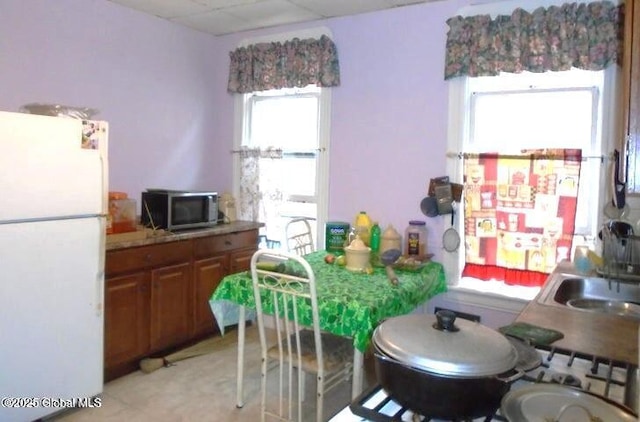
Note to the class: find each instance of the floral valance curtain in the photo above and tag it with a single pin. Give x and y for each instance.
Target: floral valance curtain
(519, 214)
(585, 36)
(275, 65)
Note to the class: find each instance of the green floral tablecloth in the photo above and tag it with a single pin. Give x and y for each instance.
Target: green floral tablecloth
(350, 304)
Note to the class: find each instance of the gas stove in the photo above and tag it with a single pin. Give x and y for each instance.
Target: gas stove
(616, 381)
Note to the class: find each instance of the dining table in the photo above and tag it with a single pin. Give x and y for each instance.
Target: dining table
(350, 304)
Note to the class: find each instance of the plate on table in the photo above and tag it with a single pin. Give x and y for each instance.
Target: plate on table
(412, 263)
(404, 262)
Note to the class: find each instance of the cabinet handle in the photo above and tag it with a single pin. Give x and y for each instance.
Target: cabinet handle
(148, 258)
(228, 242)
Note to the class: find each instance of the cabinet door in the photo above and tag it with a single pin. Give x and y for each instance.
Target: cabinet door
(170, 305)
(241, 260)
(207, 275)
(126, 318)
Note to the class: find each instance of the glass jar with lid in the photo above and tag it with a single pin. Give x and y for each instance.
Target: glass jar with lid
(415, 243)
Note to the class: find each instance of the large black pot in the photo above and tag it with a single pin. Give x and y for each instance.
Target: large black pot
(443, 368)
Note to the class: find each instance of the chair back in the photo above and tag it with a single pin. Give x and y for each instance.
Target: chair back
(299, 236)
(283, 286)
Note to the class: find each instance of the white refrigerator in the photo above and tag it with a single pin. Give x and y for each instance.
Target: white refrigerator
(53, 202)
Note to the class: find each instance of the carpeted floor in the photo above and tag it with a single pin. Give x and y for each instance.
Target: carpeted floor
(201, 388)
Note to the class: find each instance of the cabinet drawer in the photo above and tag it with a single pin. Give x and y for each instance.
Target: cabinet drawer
(241, 260)
(207, 246)
(132, 259)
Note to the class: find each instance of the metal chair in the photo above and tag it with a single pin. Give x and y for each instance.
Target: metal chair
(299, 237)
(286, 289)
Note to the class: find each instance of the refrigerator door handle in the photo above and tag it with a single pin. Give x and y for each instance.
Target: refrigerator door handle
(101, 262)
(99, 294)
(105, 193)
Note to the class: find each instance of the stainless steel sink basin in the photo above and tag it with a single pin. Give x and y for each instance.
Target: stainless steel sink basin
(592, 294)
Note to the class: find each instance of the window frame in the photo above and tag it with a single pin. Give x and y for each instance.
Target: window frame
(242, 115)
(308, 92)
(459, 131)
(591, 84)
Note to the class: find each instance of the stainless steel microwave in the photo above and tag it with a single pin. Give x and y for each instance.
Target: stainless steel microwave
(179, 210)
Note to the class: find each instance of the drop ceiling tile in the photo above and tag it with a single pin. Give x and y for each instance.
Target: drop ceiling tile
(407, 2)
(219, 4)
(227, 16)
(330, 8)
(165, 8)
(216, 22)
(271, 13)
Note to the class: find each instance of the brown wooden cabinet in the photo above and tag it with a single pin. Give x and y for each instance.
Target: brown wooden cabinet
(631, 92)
(170, 306)
(241, 260)
(126, 323)
(146, 293)
(207, 274)
(215, 257)
(157, 296)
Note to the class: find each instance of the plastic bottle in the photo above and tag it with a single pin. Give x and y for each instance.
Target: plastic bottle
(376, 234)
(362, 226)
(416, 238)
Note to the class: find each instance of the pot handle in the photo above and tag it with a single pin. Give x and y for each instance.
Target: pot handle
(445, 321)
(519, 374)
(391, 360)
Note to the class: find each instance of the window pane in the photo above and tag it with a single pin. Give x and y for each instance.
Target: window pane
(290, 123)
(510, 113)
(560, 119)
(293, 176)
(287, 119)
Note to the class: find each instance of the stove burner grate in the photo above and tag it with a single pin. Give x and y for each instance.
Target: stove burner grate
(566, 379)
(377, 406)
(613, 380)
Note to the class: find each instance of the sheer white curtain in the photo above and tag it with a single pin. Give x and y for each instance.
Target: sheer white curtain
(260, 195)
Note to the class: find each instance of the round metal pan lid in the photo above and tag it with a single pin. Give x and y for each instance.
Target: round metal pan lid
(468, 350)
(541, 402)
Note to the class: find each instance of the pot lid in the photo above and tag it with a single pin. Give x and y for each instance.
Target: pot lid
(558, 402)
(444, 345)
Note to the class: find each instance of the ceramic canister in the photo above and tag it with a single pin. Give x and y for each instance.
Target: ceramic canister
(390, 239)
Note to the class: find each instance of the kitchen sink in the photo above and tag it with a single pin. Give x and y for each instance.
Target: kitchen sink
(592, 294)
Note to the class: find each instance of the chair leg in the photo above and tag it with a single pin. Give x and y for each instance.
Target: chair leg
(304, 384)
(300, 392)
(320, 398)
(263, 390)
(240, 364)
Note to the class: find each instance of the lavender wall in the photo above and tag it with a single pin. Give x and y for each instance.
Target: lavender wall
(162, 87)
(152, 80)
(389, 116)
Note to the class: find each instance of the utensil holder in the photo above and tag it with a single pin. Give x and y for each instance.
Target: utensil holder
(620, 255)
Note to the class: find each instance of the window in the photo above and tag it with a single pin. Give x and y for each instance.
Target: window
(511, 112)
(295, 122)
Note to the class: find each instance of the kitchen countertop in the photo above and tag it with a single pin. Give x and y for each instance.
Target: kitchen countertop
(150, 239)
(593, 333)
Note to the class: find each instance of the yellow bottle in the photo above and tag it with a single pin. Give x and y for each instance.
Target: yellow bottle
(362, 227)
